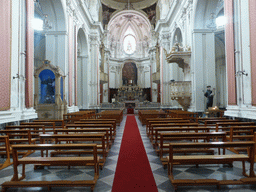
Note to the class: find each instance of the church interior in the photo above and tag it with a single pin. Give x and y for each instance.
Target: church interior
(174, 69)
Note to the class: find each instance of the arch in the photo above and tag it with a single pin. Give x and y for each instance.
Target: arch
(202, 14)
(82, 69)
(177, 37)
(56, 15)
(129, 18)
(82, 46)
(135, 21)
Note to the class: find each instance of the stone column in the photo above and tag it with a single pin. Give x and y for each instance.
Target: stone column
(165, 44)
(94, 89)
(202, 67)
(82, 84)
(29, 88)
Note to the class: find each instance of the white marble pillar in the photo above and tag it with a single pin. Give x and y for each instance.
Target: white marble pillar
(202, 67)
(94, 89)
(165, 44)
(82, 83)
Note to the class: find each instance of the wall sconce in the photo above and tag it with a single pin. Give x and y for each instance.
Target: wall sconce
(19, 77)
(241, 73)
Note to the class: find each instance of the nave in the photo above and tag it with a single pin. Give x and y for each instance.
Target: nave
(107, 174)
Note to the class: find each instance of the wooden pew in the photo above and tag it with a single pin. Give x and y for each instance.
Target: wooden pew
(92, 160)
(58, 122)
(49, 126)
(159, 130)
(76, 116)
(183, 114)
(239, 133)
(115, 114)
(153, 126)
(203, 119)
(210, 159)
(167, 138)
(106, 132)
(232, 124)
(160, 120)
(169, 121)
(101, 120)
(17, 137)
(6, 149)
(145, 114)
(214, 121)
(89, 137)
(113, 123)
(35, 130)
(112, 131)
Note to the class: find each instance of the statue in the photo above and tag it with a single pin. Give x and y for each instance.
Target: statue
(209, 95)
(49, 90)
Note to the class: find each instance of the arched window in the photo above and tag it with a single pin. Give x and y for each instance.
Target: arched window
(129, 44)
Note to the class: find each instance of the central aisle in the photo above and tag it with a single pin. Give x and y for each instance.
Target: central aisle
(133, 172)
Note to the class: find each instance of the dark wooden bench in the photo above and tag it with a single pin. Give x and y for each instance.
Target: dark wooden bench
(113, 123)
(17, 137)
(210, 159)
(154, 126)
(35, 130)
(159, 130)
(112, 131)
(58, 122)
(203, 119)
(49, 126)
(115, 114)
(150, 123)
(167, 138)
(232, 124)
(214, 121)
(106, 132)
(92, 160)
(5, 148)
(145, 114)
(102, 146)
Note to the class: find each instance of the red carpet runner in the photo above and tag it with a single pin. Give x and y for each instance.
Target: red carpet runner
(133, 172)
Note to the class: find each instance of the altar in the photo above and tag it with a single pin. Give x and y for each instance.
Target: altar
(130, 93)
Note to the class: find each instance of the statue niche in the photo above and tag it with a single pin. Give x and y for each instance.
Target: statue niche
(47, 78)
(49, 100)
(129, 74)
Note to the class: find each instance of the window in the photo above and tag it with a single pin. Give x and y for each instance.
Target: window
(129, 44)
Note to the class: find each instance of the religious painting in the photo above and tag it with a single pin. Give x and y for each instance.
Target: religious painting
(47, 94)
(106, 13)
(151, 12)
(129, 74)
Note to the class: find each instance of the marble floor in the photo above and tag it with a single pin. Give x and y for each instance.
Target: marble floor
(105, 181)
